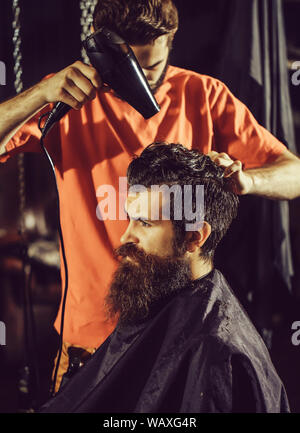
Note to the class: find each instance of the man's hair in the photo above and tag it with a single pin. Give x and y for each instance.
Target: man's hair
(138, 22)
(174, 164)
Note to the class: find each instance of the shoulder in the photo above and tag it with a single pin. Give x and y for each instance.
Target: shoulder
(176, 75)
(224, 320)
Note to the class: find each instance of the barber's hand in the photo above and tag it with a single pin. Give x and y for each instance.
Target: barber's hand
(241, 182)
(75, 85)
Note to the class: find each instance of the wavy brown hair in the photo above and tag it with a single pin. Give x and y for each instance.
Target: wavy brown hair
(139, 22)
(173, 164)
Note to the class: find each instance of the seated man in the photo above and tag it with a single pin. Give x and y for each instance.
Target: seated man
(183, 342)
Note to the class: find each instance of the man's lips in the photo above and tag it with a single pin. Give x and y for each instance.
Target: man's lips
(129, 259)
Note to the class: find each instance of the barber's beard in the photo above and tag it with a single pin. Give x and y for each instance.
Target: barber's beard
(143, 284)
(159, 82)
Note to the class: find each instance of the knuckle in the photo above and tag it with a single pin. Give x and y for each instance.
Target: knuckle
(91, 92)
(60, 94)
(96, 77)
(82, 99)
(72, 72)
(78, 105)
(93, 72)
(76, 64)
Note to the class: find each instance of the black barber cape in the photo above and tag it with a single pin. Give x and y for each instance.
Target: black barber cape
(198, 353)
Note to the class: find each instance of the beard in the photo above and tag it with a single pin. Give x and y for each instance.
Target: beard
(159, 82)
(143, 283)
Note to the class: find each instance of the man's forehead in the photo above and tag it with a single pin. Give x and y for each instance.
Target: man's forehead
(160, 42)
(154, 49)
(144, 204)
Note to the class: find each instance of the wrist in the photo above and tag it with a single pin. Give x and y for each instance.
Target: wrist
(40, 94)
(249, 183)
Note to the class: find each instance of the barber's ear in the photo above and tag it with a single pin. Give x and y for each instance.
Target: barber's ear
(196, 239)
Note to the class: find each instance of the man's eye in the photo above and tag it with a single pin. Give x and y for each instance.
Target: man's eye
(144, 224)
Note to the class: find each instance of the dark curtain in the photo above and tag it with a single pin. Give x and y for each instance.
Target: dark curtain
(253, 63)
(243, 44)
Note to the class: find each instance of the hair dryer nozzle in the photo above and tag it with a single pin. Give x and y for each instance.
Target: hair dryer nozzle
(118, 67)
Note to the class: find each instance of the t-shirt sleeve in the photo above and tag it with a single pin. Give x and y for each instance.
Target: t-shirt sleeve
(238, 133)
(27, 138)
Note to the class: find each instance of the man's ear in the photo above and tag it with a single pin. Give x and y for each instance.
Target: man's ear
(196, 239)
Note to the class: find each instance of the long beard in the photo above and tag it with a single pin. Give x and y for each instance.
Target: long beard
(140, 286)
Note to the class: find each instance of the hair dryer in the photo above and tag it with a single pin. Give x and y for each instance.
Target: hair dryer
(119, 69)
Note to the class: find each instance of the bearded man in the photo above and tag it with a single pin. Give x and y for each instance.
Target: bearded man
(183, 343)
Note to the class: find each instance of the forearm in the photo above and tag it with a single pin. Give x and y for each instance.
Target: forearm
(74, 85)
(17, 111)
(280, 181)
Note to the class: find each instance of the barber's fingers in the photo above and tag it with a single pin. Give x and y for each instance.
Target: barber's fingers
(215, 155)
(236, 167)
(222, 158)
(78, 84)
(225, 161)
(83, 87)
(90, 72)
(69, 99)
(74, 85)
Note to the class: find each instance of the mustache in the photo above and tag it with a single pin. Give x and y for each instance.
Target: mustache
(130, 250)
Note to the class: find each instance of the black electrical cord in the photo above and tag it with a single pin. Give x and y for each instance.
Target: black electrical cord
(29, 400)
(44, 131)
(31, 318)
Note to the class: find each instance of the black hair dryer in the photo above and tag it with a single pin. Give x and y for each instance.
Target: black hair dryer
(119, 69)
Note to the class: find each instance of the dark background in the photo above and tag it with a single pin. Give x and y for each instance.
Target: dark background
(50, 34)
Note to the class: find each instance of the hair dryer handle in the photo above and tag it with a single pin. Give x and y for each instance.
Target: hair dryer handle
(59, 110)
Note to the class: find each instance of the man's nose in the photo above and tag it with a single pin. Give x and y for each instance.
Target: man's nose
(149, 75)
(129, 236)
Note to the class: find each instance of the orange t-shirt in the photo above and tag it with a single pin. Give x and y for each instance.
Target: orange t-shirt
(94, 146)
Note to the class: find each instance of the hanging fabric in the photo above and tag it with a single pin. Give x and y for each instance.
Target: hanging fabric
(253, 64)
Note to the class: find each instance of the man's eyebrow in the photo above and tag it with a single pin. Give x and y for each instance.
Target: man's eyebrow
(141, 218)
(153, 66)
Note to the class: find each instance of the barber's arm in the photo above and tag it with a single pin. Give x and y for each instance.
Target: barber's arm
(279, 180)
(74, 85)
